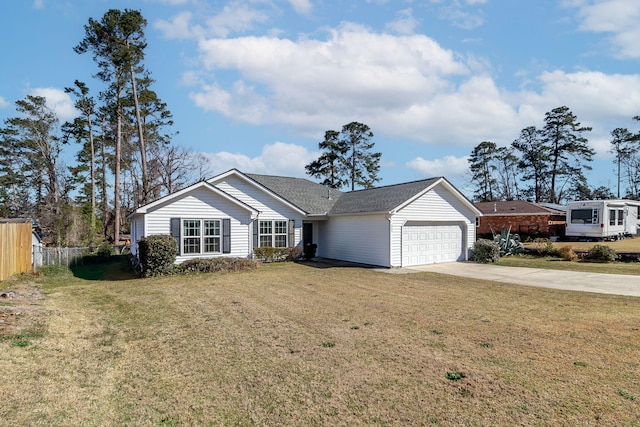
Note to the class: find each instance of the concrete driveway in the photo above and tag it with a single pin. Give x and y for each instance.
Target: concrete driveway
(616, 284)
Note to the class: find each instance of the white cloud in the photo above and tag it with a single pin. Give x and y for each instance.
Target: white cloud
(317, 83)
(450, 166)
(619, 18)
(278, 158)
(236, 17)
(460, 15)
(3, 103)
(405, 23)
(303, 7)
(403, 87)
(38, 4)
(59, 101)
(178, 27)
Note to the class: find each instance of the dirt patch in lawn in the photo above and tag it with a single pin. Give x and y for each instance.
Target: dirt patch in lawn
(20, 308)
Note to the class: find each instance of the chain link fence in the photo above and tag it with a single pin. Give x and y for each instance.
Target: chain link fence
(43, 256)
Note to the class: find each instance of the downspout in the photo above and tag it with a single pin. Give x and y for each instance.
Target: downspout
(390, 249)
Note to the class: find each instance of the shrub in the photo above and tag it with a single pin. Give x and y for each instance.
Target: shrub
(544, 247)
(270, 254)
(215, 265)
(157, 255)
(567, 253)
(485, 251)
(508, 243)
(106, 250)
(602, 253)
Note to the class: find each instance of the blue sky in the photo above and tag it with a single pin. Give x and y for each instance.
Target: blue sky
(255, 84)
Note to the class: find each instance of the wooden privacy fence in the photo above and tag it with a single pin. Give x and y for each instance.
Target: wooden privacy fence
(15, 248)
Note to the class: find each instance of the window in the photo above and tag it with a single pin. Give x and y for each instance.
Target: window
(266, 233)
(612, 217)
(273, 233)
(280, 234)
(211, 235)
(191, 236)
(584, 216)
(620, 217)
(200, 236)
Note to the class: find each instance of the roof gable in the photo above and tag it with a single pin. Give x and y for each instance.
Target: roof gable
(202, 184)
(298, 193)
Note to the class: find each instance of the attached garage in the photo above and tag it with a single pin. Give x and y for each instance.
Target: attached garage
(432, 243)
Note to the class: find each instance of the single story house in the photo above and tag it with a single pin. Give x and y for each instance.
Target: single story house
(523, 217)
(413, 223)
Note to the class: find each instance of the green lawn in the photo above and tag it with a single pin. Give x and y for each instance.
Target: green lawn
(302, 344)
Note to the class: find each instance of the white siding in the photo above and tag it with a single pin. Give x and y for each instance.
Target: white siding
(199, 204)
(436, 206)
(362, 238)
(260, 200)
(137, 230)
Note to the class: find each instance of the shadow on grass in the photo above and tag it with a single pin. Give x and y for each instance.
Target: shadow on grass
(333, 263)
(118, 267)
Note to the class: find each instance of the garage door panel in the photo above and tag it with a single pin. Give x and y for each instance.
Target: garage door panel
(428, 244)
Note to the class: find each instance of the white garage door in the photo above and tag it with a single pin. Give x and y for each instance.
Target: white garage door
(430, 244)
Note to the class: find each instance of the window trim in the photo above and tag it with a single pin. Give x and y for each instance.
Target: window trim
(276, 230)
(201, 237)
(575, 219)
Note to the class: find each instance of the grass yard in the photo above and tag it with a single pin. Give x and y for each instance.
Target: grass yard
(552, 263)
(291, 344)
(624, 245)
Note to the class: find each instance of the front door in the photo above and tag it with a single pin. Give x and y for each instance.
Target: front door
(307, 234)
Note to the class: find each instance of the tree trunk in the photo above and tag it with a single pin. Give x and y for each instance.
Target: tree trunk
(116, 184)
(143, 148)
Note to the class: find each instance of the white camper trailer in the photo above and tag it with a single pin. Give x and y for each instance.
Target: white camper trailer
(603, 219)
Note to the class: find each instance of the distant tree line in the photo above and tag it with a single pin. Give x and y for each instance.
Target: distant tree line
(123, 133)
(549, 164)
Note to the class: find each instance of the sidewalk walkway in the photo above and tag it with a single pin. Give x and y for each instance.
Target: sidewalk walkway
(616, 284)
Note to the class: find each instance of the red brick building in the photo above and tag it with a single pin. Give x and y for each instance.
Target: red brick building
(523, 217)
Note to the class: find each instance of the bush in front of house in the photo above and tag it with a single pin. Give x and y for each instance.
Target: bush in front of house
(567, 253)
(485, 251)
(602, 253)
(544, 247)
(216, 265)
(508, 243)
(157, 255)
(270, 254)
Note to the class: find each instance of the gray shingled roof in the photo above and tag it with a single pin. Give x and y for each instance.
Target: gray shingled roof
(379, 199)
(309, 196)
(314, 198)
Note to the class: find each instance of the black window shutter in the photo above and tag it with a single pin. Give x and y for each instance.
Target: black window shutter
(226, 236)
(256, 242)
(174, 230)
(292, 232)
